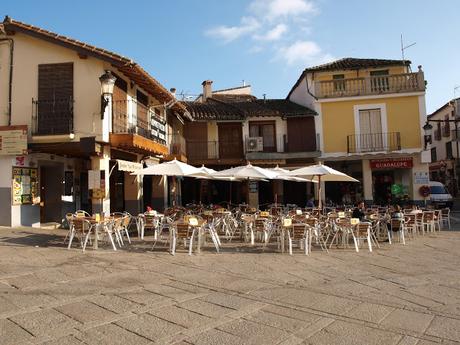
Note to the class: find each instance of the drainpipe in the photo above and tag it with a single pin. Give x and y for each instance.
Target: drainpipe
(10, 85)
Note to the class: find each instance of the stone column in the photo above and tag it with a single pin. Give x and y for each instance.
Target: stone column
(101, 164)
(367, 182)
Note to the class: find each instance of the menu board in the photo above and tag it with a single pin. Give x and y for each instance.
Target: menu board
(25, 185)
(13, 140)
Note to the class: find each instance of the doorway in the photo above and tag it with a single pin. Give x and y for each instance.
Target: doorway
(51, 191)
(382, 181)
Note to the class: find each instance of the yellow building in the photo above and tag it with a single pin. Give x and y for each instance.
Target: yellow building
(371, 113)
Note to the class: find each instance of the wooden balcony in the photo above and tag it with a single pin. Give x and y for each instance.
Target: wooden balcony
(373, 85)
(374, 142)
(138, 129)
(214, 152)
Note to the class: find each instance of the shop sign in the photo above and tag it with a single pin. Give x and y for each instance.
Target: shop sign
(128, 166)
(25, 186)
(13, 140)
(421, 177)
(392, 163)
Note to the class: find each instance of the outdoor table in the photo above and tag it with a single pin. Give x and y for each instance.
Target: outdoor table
(97, 225)
(198, 227)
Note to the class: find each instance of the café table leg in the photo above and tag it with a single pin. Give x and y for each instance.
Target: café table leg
(198, 246)
(282, 238)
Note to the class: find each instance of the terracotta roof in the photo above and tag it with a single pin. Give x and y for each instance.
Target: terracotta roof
(214, 109)
(127, 66)
(349, 64)
(233, 97)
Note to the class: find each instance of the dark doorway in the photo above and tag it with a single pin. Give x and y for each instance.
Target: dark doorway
(266, 195)
(295, 193)
(117, 189)
(382, 181)
(51, 191)
(85, 201)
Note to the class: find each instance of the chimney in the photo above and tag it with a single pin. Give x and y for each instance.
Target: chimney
(207, 89)
(173, 91)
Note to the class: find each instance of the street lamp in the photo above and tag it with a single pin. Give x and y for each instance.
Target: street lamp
(107, 83)
(427, 128)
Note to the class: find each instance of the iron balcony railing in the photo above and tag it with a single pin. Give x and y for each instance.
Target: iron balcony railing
(374, 142)
(210, 150)
(373, 85)
(132, 117)
(52, 116)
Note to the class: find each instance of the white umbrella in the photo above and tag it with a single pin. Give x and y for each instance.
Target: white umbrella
(282, 174)
(248, 171)
(321, 172)
(171, 168)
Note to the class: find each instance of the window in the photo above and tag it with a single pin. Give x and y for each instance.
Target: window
(379, 81)
(449, 154)
(371, 136)
(266, 130)
(339, 82)
(434, 157)
(55, 98)
(142, 98)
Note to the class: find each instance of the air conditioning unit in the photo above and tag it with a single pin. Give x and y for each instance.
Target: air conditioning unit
(255, 144)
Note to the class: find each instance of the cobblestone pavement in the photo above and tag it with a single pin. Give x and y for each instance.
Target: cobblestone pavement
(398, 294)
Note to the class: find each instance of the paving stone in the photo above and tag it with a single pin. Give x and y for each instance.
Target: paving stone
(150, 327)
(344, 333)
(28, 299)
(253, 332)
(215, 336)
(112, 334)
(48, 322)
(115, 303)
(67, 340)
(178, 295)
(291, 313)
(12, 334)
(370, 312)
(205, 308)
(85, 312)
(231, 301)
(277, 321)
(408, 320)
(145, 297)
(180, 316)
(445, 328)
(6, 306)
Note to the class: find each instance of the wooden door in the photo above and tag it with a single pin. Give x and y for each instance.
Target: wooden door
(301, 134)
(230, 140)
(196, 137)
(51, 192)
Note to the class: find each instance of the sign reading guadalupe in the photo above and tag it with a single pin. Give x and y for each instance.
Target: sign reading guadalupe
(13, 140)
(392, 163)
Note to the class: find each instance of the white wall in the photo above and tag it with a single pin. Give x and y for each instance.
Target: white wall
(280, 125)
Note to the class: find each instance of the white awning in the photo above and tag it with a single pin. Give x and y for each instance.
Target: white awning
(128, 166)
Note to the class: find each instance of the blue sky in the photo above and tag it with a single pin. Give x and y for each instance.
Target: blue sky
(267, 43)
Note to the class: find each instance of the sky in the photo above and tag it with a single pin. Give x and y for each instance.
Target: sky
(264, 43)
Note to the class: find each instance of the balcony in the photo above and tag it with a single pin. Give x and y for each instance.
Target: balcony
(52, 116)
(282, 150)
(373, 85)
(138, 128)
(374, 142)
(214, 152)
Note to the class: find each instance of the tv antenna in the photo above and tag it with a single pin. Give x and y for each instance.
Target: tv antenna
(456, 88)
(404, 47)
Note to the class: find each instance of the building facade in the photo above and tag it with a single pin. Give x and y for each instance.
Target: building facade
(444, 146)
(80, 145)
(370, 118)
(232, 127)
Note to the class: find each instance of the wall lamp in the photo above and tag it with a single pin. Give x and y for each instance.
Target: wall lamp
(107, 83)
(427, 128)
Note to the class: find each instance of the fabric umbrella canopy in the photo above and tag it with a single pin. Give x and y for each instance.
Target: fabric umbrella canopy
(282, 174)
(171, 168)
(248, 171)
(321, 172)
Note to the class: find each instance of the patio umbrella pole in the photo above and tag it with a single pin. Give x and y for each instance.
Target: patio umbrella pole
(319, 192)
